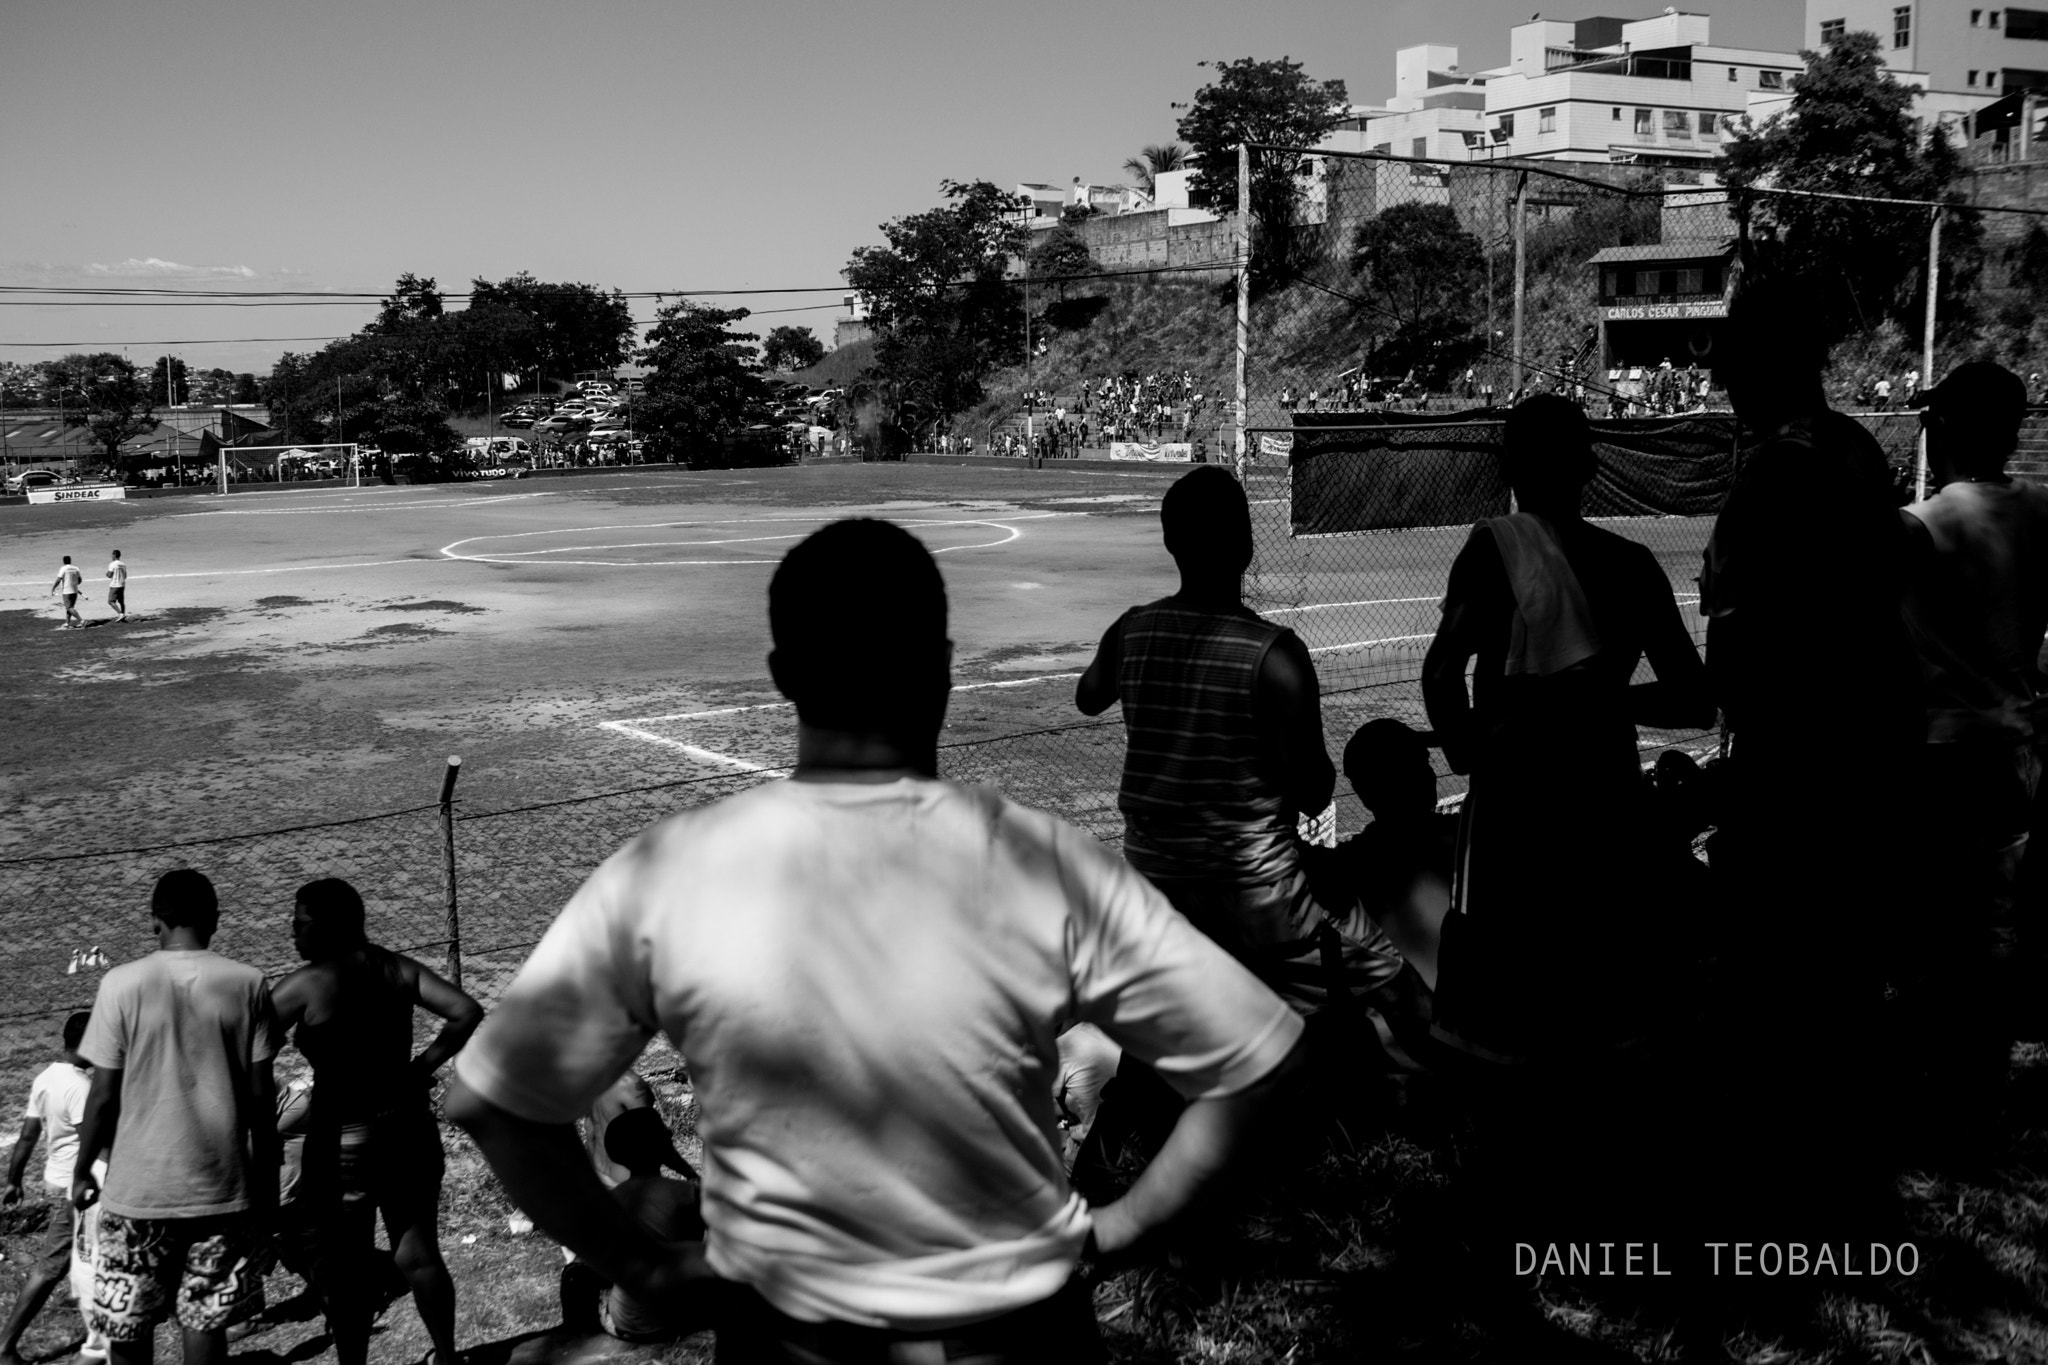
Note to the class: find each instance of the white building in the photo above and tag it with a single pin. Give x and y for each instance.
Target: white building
(1652, 91)
(1961, 57)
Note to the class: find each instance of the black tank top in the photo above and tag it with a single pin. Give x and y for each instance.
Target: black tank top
(360, 1053)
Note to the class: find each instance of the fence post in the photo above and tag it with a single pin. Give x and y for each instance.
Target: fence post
(453, 771)
(1521, 269)
(1244, 293)
(1927, 344)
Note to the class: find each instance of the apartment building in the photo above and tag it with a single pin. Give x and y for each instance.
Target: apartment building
(1654, 91)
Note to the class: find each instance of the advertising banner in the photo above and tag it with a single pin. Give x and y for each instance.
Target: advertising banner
(1162, 452)
(90, 493)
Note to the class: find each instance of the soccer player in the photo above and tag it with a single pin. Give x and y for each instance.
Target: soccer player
(868, 968)
(56, 1106)
(117, 587)
(69, 581)
(180, 1043)
(373, 1146)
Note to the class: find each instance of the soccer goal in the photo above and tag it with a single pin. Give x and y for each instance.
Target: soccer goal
(286, 464)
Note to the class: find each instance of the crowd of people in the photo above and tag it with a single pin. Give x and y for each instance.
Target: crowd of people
(934, 1032)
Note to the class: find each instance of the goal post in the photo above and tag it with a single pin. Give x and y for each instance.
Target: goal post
(334, 459)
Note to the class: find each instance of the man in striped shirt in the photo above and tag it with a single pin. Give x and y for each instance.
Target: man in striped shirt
(1225, 754)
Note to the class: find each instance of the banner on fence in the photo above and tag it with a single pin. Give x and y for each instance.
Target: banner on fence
(1275, 447)
(1161, 452)
(1387, 471)
(91, 493)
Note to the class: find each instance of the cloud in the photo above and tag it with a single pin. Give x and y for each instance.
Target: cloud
(156, 268)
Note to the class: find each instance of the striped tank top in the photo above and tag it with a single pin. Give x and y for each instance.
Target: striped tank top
(1201, 793)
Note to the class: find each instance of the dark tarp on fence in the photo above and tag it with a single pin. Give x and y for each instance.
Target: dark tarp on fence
(1373, 471)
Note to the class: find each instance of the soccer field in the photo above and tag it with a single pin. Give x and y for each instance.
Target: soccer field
(299, 658)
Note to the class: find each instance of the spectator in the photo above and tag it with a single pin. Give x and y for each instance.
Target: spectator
(872, 1182)
(180, 1043)
(638, 1144)
(1802, 588)
(628, 1093)
(1976, 612)
(56, 1106)
(373, 1146)
(1543, 953)
(1399, 866)
(1226, 755)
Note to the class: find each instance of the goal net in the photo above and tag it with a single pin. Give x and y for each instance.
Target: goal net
(292, 463)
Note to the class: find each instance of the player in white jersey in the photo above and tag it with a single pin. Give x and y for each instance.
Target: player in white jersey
(117, 587)
(69, 581)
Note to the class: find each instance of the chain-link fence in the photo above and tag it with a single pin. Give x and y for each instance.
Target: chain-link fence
(1395, 308)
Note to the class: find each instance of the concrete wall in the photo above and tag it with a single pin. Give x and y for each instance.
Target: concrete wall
(1133, 241)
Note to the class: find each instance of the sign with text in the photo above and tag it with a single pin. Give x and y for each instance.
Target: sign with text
(1277, 446)
(1642, 312)
(1161, 452)
(92, 493)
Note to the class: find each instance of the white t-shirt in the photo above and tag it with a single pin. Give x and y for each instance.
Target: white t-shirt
(870, 981)
(69, 579)
(119, 573)
(57, 1099)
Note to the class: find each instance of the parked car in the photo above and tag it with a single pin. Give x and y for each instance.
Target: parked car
(517, 419)
(559, 423)
(33, 478)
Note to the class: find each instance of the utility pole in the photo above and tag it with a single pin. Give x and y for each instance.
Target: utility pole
(1927, 343)
(1029, 448)
(1244, 294)
(1521, 269)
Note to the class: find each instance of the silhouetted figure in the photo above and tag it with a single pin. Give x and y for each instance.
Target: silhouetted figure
(1549, 947)
(868, 968)
(1399, 866)
(638, 1143)
(1807, 653)
(372, 1145)
(1226, 754)
(1976, 612)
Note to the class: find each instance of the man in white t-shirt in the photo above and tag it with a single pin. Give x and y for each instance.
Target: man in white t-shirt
(117, 587)
(69, 581)
(56, 1106)
(869, 969)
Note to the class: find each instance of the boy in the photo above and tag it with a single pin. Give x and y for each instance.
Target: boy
(56, 1106)
(1400, 865)
(637, 1142)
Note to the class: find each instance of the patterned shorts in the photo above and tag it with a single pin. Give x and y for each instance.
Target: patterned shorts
(209, 1269)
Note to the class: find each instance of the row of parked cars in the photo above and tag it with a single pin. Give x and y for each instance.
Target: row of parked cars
(596, 408)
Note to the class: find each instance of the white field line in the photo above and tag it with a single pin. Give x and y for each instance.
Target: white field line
(453, 549)
(636, 727)
(1364, 644)
(1371, 602)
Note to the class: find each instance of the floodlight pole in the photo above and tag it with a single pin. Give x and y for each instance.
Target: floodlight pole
(1927, 344)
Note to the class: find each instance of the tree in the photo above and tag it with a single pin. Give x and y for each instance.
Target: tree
(939, 300)
(1150, 162)
(576, 326)
(180, 390)
(413, 300)
(703, 383)
(1850, 130)
(792, 348)
(112, 399)
(1421, 272)
(1265, 102)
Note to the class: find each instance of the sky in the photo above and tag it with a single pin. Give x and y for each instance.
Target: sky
(633, 144)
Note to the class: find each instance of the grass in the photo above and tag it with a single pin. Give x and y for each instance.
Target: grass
(1371, 1244)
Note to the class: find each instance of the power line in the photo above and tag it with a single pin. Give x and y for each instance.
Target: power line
(345, 336)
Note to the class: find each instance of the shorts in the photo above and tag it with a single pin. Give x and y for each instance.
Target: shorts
(209, 1270)
(117, 598)
(70, 600)
(53, 1253)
